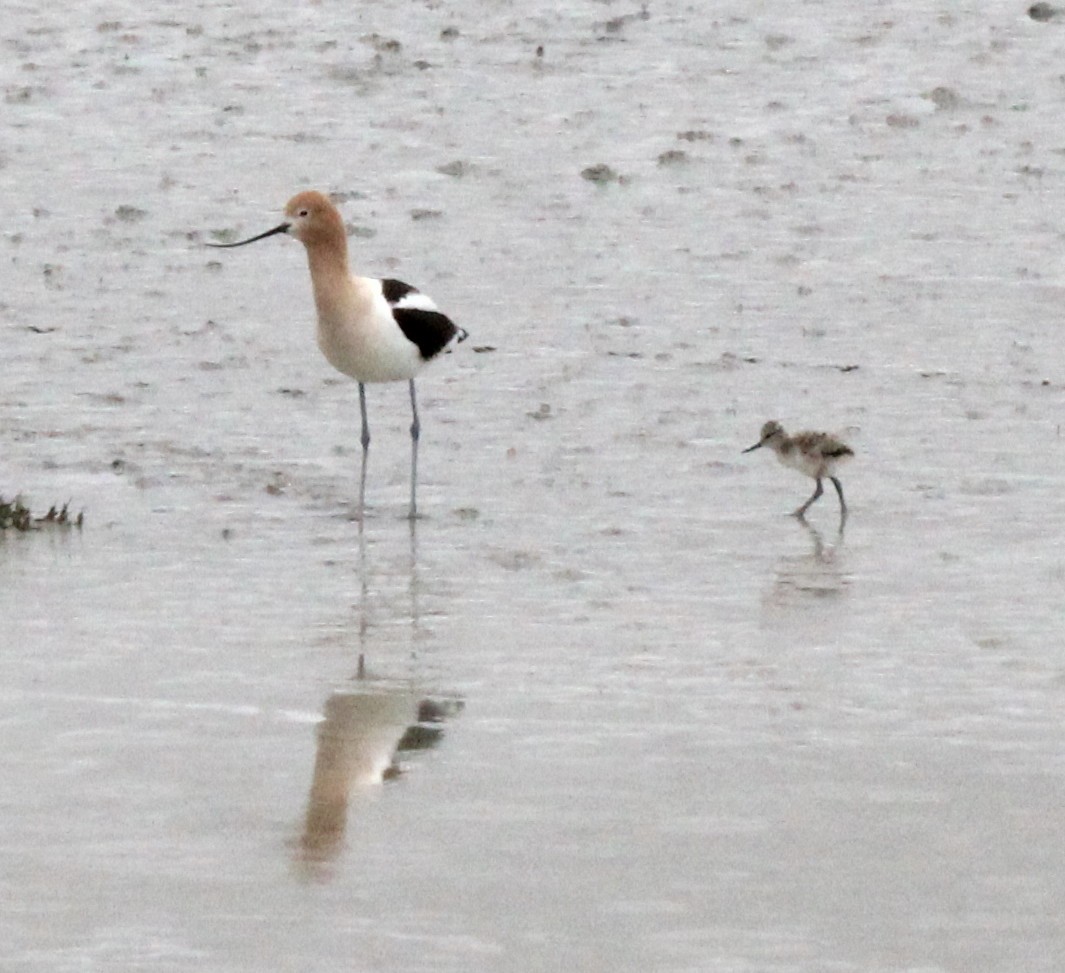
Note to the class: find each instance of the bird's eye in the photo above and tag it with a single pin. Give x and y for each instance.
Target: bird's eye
(304, 212)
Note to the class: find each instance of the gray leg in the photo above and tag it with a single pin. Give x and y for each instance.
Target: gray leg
(839, 490)
(365, 439)
(415, 433)
(365, 424)
(801, 512)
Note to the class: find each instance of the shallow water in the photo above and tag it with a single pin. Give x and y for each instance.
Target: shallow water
(679, 730)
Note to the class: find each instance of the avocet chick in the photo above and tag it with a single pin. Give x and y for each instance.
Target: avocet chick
(814, 454)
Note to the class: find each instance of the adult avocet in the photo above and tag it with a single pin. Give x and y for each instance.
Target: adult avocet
(373, 330)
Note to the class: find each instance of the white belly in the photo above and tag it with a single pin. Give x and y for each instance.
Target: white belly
(813, 466)
(367, 344)
(807, 465)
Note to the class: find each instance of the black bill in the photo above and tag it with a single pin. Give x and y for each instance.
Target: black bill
(281, 228)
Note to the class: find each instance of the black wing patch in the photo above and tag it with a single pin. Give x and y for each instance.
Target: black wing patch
(396, 290)
(840, 450)
(431, 331)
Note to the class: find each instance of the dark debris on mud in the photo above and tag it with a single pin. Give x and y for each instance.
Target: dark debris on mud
(1044, 12)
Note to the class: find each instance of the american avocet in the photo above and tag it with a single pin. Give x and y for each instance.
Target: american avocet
(373, 330)
(816, 454)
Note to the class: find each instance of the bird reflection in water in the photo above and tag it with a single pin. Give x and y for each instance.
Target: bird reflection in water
(360, 741)
(817, 574)
(366, 727)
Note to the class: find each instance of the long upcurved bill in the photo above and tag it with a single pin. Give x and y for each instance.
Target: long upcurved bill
(280, 228)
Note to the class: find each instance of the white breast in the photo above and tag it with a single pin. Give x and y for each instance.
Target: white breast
(362, 339)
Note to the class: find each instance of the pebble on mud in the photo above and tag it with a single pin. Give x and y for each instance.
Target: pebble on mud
(600, 174)
(1043, 12)
(944, 98)
(362, 232)
(388, 45)
(899, 120)
(456, 169)
(672, 157)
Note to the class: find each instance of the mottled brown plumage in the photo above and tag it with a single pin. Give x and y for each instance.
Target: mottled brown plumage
(814, 454)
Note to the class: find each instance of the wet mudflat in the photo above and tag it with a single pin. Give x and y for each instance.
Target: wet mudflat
(669, 728)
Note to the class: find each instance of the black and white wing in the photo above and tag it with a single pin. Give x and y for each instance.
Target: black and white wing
(420, 320)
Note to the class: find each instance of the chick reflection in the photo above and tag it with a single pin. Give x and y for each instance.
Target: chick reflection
(817, 574)
(358, 741)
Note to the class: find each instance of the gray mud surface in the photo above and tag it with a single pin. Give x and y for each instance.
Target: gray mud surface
(677, 729)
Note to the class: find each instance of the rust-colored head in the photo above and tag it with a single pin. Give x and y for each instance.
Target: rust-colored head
(315, 221)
